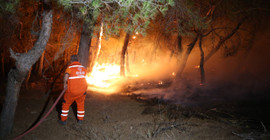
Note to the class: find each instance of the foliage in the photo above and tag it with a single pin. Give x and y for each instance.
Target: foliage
(186, 16)
(8, 6)
(129, 15)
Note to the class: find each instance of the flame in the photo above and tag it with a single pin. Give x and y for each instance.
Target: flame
(100, 37)
(197, 67)
(103, 76)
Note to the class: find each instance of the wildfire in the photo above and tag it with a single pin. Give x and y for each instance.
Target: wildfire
(100, 37)
(197, 67)
(105, 78)
(103, 75)
(160, 82)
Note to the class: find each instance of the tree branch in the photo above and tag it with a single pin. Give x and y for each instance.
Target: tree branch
(223, 39)
(13, 55)
(25, 60)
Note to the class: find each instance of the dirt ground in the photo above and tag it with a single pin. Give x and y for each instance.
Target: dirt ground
(131, 117)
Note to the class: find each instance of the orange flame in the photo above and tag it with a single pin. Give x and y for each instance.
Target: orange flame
(197, 67)
(105, 78)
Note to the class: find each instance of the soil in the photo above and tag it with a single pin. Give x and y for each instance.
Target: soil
(132, 117)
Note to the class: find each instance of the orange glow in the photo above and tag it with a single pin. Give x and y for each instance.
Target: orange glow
(104, 77)
(197, 67)
(100, 37)
(105, 74)
(134, 37)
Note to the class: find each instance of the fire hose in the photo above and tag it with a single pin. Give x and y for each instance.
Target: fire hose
(43, 118)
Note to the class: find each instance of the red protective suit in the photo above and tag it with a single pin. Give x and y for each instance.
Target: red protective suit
(76, 91)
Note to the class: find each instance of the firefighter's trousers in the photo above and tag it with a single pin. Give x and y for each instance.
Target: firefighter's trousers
(68, 100)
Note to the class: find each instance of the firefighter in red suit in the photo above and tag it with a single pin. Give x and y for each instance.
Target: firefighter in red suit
(75, 82)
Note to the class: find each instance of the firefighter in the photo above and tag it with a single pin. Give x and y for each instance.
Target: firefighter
(75, 82)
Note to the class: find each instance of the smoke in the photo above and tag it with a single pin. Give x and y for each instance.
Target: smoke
(241, 77)
(244, 76)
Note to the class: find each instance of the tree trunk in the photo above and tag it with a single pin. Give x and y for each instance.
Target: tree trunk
(65, 57)
(202, 62)
(171, 55)
(123, 54)
(17, 75)
(134, 57)
(85, 43)
(26, 82)
(179, 42)
(41, 64)
(157, 41)
(96, 49)
(3, 65)
(127, 62)
(179, 45)
(186, 55)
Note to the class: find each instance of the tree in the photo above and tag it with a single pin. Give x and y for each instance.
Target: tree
(16, 76)
(116, 13)
(200, 20)
(123, 54)
(85, 43)
(184, 20)
(223, 39)
(201, 61)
